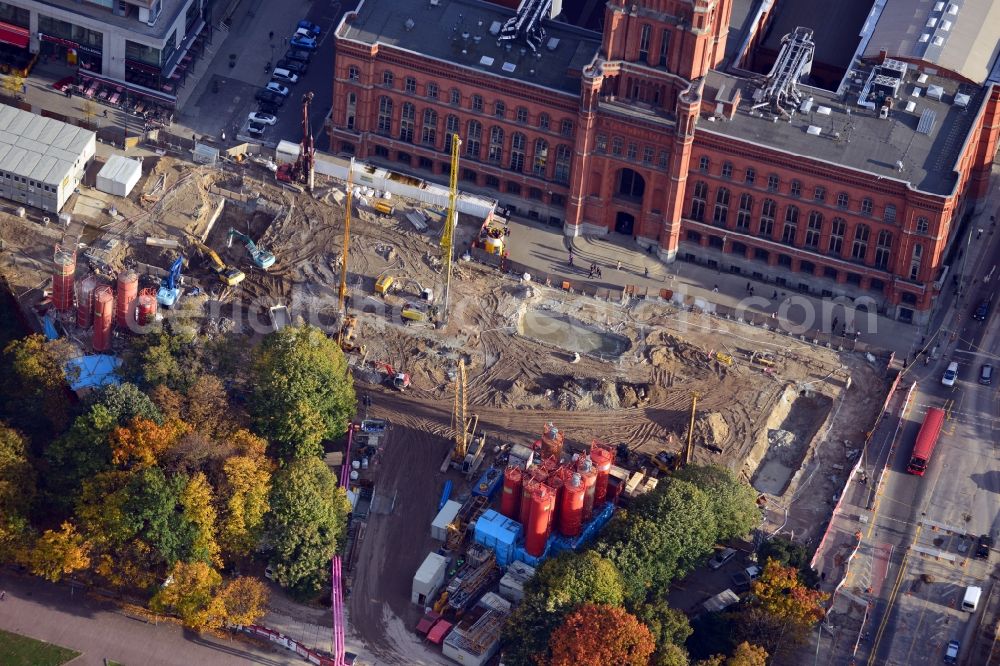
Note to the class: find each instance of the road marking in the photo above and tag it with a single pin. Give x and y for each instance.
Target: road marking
(892, 598)
(941, 526)
(934, 552)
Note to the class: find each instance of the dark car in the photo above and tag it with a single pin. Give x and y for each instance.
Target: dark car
(951, 652)
(982, 311)
(256, 131)
(269, 97)
(296, 66)
(313, 29)
(298, 54)
(268, 107)
(984, 546)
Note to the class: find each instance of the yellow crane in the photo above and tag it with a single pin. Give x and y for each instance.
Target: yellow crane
(458, 416)
(347, 337)
(689, 449)
(447, 236)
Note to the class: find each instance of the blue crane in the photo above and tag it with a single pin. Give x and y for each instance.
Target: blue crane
(261, 257)
(169, 291)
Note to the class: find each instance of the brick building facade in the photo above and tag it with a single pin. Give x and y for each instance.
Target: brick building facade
(645, 130)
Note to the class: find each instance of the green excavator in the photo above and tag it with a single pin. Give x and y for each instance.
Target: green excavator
(261, 257)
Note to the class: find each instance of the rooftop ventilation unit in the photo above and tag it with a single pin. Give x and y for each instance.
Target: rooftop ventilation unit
(953, 9)
(922, 78)
(939, 6)
(924, 38)
(927, 120)
(409, 24)
(945, 26)
(823, 110)
(931, 22)
(962, 100)
(486, 61)
(806, 106)
(938, 41)
(815, 131)
(434, 3)
(917, 92)
(892, 68)
(935, 92)
(508, 67)
(552, 44)
(910, 106)
(495, 28)
(780, 90)
(885, 86)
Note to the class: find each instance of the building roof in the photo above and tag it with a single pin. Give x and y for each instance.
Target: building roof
(961, 36)
(855, 137)
(40, 149)
(463, 32)
(836, 27)
(169, 11)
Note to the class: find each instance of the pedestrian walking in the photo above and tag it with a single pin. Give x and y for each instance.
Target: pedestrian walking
(270, 36)
(775, 297)
(646, 269)
(751, 291)
(715, 289)
(748, 287)
(590, 274)
(618, 266)
(105, 113)
(834, 327)
(3, 594)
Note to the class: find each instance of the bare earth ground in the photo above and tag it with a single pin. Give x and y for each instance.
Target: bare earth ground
(792, 432)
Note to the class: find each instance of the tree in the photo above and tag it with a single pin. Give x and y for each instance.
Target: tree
(668, 626)
(57, 553)
(89, 109)
(157, 513)
(164, 358)
(17, 476)
(734, 503)
(37, 388)
(560, 585)
(143, 442)
(599, 634)
(303, 392)
(747, 655)
(242, 601)
(13, 83)
(667, 533)
(204, 406)
(248, 444)
(782, 610)
(307, 520)
(126, 402)
(188, 592)
(670, 655)
(713, 633)
(199, 509)
(786, 552)
(244, 492)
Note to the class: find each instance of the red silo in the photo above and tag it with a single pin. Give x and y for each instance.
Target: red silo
(85, 301)
(510, 500)
(602, 458)
(528, 486)
(146, 310)
(104, 313)
(571, 506)
(128, 290)
(62, 279)
(552, 442)
(589, 474)
(539, 521)
(555, 484)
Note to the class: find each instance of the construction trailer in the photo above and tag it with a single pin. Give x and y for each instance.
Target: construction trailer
(514, 579)
(444, 518)
(429, 578)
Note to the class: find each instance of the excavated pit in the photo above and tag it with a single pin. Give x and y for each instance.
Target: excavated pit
(570, 334)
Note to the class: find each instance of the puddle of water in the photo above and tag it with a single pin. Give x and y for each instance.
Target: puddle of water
(571, 335)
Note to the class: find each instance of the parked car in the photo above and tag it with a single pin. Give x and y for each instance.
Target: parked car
(298, 55)
(262, 118)
(742, 579)
(982, 311)
(313, 29)
(269, 96)
(951, 652)
(303, 42)
(267, 108)
(986, 374)
(255, 130)
(984, 546)
(277, 88)
(284, 76)
(295, 66)
(721, 557)
(950, 374)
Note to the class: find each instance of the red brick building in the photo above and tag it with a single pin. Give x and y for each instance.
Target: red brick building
(652, 129)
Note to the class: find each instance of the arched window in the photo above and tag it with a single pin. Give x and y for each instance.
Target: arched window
(791, 225)
(428, 135)
(721, 212)
(495, 152)
(644, 42)
(499, 109)
(406, 122)
(563, 159)
(744, 212)
(543, 121)
(631, 184)
(450, 130)
(698, 201)
(883, 249)
(517, 143)
(541, 157)
(384, 126)
(473, 139)
(837, 230)
(387, 79)
(767, 212)
(814, 230)
(860, 248)
(352, 106)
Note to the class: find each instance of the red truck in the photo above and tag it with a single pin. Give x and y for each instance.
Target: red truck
(927, 439)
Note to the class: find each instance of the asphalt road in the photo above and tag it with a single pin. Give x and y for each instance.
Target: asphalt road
(926, 527)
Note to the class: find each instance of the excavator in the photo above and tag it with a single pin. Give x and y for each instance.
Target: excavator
(261, 257)
(348, 333)
(229, 275)
(169, 291)
(397, 380)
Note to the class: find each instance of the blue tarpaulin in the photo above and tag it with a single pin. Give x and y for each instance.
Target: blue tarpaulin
(50, 328)
(92, 371)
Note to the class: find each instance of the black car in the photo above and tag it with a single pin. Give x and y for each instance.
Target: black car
(294, 66)
(269, 97)
(300, 55)
(982, 311)
(984, 546)
(268, 107)
(255, 130)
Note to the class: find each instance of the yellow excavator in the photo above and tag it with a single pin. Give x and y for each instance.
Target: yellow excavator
(228, 275)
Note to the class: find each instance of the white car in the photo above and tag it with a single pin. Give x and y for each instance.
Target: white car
(284, 75)
(262, 118)
(721, 557)
(276, 87)
(950, 375)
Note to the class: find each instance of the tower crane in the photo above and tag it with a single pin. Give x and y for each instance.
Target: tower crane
(347, 334)
(447, 236)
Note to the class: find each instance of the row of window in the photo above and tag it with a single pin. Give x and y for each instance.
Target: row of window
(499, 151)
(476, 102)
(631, 151)
(819, 193)
(27, 181)
(814, 229)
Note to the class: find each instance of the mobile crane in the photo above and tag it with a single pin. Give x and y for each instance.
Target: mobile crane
(261, 257)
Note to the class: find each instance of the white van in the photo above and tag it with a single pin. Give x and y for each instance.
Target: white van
(951, 374)
(971, 600)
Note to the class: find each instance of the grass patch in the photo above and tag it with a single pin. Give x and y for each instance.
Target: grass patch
(17, 650)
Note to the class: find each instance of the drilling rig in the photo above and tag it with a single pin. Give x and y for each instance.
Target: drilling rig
(302, 169)
(447, 235)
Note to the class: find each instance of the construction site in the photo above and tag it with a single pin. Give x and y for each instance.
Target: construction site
(522, 411)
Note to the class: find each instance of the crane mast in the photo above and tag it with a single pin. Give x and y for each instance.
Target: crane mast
(447, 236)
(342, 292)
(459, 419)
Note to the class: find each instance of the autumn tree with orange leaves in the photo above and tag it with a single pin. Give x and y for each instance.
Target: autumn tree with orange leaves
(782, 609)
(599, 634)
